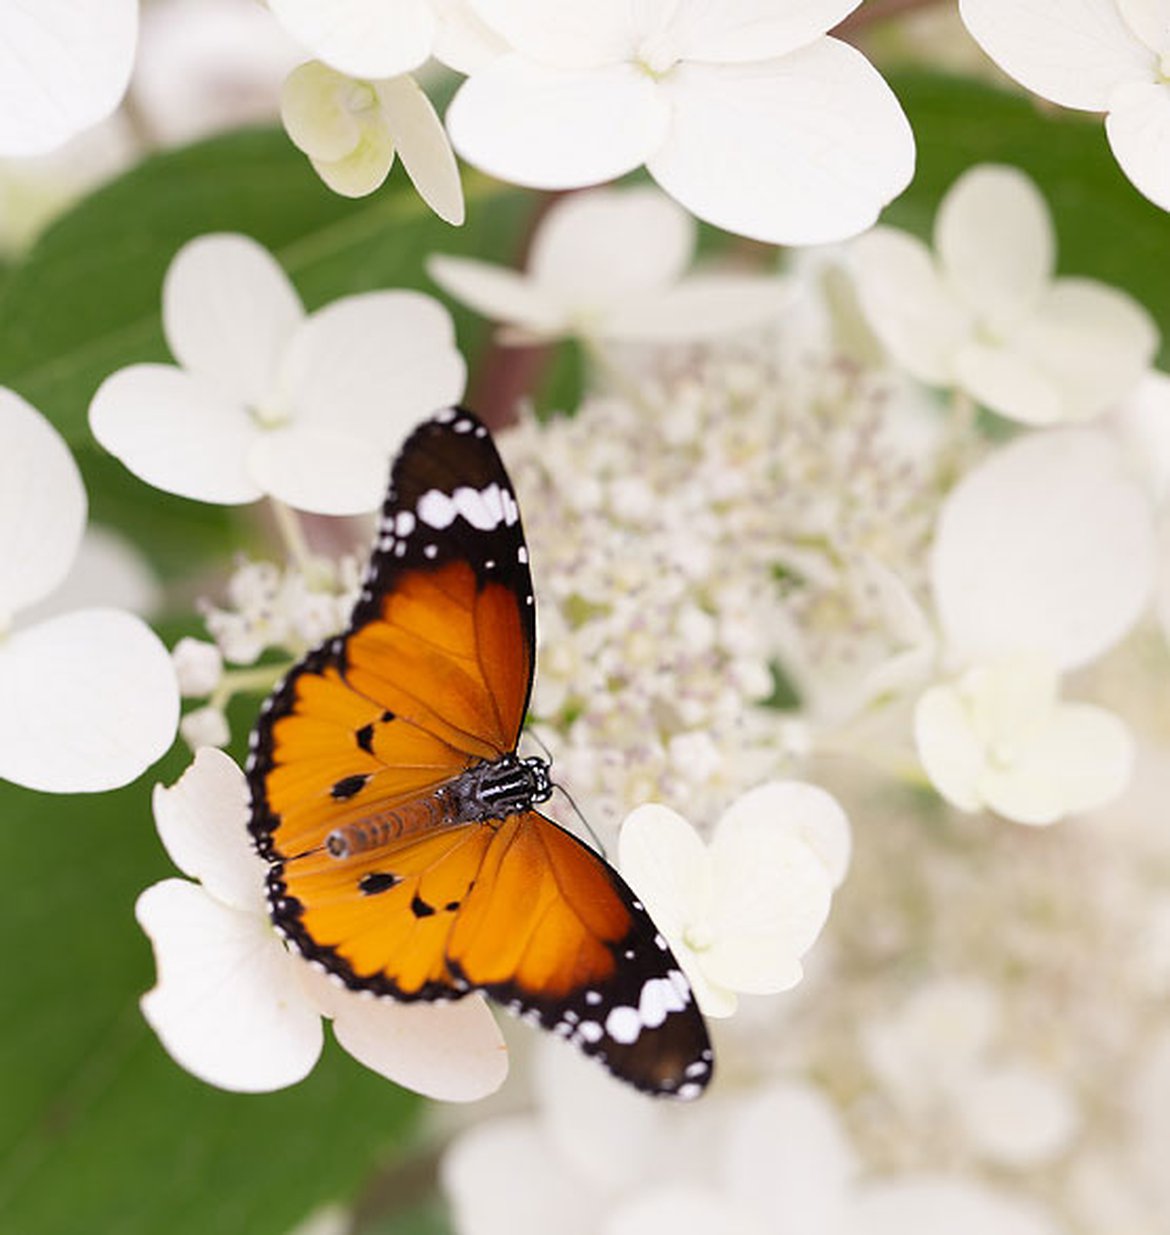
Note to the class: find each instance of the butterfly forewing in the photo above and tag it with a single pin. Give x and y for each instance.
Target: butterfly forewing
(386, 867)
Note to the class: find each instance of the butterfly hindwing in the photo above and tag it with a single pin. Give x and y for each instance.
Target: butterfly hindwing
(389, 864)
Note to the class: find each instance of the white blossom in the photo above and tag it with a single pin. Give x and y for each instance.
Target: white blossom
(265, 400)
(740, 912)
(198, 666)
(235, 1007)
(1105, 56)
(90, 698)
(352, 130)
(984, 315)
(611, 265)
(746, 113)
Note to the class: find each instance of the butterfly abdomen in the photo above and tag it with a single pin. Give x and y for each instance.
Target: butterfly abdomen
(382, 827)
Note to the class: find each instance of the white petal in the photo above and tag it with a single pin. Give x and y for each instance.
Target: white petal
(804, 811)
(422, 145)
(1149, 20)
(315, 470)
(464, 42)
(682, 1209)
(1083, 761)
(227, 1005)
(228, 309)
(801, 150)
(202, 820)
(664, 860)
(453, 1052)
(176, 432)
(907, 304)
(371, 366)
(498, 293)
(1073, 52)
(573, 34)
(1018, 1116)
(322, 110)
(503, 1178)
(737, 30)
(787, 1142)
(1093, 342)
(1009, 382)
(42, 506)
(601, 1126)
(364, 38)
(928, 1204)
(772, 894)
(995, 243)
(951, 753)
(1138, 126)
(65, 65)
(90, 702)
(592, 250)
(1142, 424)
(108, 572)
(365, 168)
(1046, 545)
(552, 129)
(703, 306)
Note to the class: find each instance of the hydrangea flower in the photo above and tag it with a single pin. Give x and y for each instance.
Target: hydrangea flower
(64, 66)
(984, 315)
(744, 112)
(1105, 56)
(373, 39)
(235, 1007)
(742, 911)
(268, 401)
(1043, 559)
(611, 265)
(352, 129)
(90, 698)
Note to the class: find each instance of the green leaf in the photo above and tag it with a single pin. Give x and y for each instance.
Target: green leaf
(1106, 229)
(99, 1129)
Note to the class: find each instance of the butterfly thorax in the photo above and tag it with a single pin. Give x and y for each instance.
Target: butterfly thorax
(495, 790)
(486, 791)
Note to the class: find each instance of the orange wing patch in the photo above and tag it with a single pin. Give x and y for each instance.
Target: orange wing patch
(445, 654)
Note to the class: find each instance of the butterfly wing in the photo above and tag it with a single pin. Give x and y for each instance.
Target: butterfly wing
(435, 670)
(368, 734)
(521, 910)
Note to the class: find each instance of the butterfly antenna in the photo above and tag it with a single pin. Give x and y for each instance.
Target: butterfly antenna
(585, 822)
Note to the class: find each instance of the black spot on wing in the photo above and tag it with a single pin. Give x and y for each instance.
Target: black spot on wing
(378, 881)
(348, 787)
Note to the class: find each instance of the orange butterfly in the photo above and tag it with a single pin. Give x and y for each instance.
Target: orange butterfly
(388, 797)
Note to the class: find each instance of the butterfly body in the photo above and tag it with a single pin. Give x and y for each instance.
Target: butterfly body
(406, 854)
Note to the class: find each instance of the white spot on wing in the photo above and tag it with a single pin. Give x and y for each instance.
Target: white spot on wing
(623, 1025)
(404, 523)
(436, 509)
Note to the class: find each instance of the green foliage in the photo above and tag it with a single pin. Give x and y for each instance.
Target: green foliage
(99, 1129)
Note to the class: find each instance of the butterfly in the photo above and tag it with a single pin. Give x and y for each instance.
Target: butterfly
(405, 852)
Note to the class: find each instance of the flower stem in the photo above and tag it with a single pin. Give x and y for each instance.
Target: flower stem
(258, 681)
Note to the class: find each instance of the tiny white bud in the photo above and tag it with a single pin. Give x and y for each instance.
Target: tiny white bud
(205, 727)
(198, 666)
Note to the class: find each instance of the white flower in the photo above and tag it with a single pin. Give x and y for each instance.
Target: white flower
(237, 1008)
(205, 66)
(928, 1204)
(1000, 737)
(741, 912)
(744, 112)
(352, 129)
(611, 265)
(376, 39)
(308, 410)
(1017, 1115)
(64, 66)
(1043, 559)
(89, 697)
(984, 314)
(1106, 56)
